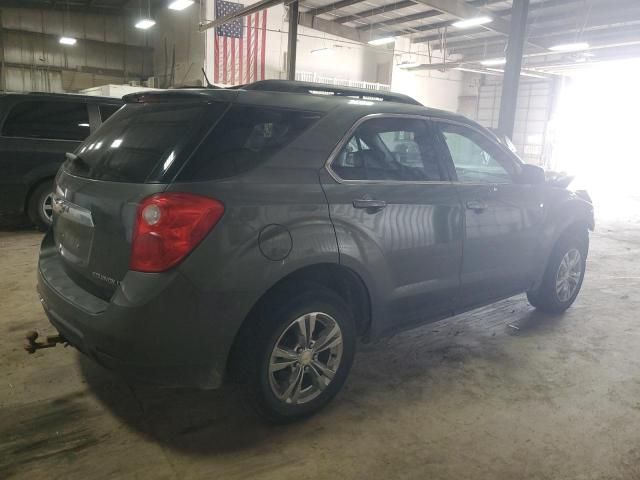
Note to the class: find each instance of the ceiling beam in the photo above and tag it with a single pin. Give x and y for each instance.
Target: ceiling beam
(375, 11)
(331, 7)
(463, 10)
(400, 20)
(332, 28)
(537, 14)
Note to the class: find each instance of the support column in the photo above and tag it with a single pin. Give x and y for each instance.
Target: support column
(511, 80)
(292, 40)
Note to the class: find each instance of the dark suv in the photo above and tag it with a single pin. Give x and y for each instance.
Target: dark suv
(254, 234)
(36, 130)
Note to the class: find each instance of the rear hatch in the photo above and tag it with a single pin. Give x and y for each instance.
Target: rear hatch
(136, 153)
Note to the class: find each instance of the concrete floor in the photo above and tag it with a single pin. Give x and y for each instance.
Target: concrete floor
(470, 397)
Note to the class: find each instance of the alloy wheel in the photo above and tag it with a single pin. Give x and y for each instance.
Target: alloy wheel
(305, 358)
(568, 275)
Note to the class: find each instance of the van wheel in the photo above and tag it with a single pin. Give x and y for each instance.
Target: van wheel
(298, 354)
(564, 274)
(40, 205)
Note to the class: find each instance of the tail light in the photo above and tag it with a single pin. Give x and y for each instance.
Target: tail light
(168, 227)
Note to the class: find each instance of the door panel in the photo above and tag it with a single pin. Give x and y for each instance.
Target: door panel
(405, 234)
(502, 219)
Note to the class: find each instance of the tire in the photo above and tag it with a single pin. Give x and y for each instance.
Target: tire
(551, 297)
(39, 205)
(276, 325)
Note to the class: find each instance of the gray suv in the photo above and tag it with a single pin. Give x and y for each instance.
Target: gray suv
(255, 234)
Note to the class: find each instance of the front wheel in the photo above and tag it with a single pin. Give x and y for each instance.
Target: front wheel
(564, 274)
(298, 354)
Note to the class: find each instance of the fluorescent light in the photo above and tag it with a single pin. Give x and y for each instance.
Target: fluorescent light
(474, 70)
(472, 22)
(569, 47)
(83, 125)
(382, 41)
(180, 4)
(145, 24)
(67, 40)
(321, 51)
(491, 62)
(406, 65)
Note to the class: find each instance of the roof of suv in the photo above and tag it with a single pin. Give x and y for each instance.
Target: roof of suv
(300, 95)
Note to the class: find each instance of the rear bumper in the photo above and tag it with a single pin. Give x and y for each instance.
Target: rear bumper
(154, 328)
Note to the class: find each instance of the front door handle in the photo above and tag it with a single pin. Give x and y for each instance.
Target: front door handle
(369, 203)
(476, 205)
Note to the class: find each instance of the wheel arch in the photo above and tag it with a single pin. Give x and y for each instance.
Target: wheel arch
(342, 280)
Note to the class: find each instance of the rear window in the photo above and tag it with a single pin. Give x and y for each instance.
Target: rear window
(143, 142)
(245, 138)
(57, 120)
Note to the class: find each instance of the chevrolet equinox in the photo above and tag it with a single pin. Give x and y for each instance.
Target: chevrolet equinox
(254, 234)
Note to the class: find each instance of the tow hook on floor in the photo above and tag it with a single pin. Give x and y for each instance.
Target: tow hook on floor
(31, 345)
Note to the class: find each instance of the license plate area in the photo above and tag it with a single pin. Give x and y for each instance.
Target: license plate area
(73, 231)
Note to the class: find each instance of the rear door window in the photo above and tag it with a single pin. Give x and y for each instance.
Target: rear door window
(144, 142)
(244, 138)
(58, 120)
(393, 149)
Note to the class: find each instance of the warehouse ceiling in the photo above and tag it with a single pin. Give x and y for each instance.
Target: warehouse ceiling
(611, 29)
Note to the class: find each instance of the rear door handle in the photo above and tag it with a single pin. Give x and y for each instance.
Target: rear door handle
(476, 206)
(369, 203)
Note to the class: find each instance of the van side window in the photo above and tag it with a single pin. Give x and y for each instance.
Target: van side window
(107, 110)
(61, 120)
(395, 149)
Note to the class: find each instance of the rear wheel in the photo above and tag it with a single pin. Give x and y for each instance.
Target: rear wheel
(564, 274)
(298, 354)
(40, 205)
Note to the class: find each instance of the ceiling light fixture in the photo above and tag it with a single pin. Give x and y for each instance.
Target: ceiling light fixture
(382, 41)
(67, 40)
(180, 4)
(492, 62)
(321, 51)
(145, 24)
(472, 22)
(407, 65)
(569, 47)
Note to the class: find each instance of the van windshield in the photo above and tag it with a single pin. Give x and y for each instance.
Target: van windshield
(143, 142)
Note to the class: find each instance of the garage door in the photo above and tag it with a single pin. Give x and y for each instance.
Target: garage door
(535, 101)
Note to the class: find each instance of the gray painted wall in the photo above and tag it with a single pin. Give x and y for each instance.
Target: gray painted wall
(109, 50)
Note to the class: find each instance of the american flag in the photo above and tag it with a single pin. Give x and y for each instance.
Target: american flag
(239, 49)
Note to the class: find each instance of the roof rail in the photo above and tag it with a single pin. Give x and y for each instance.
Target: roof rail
(294, 86)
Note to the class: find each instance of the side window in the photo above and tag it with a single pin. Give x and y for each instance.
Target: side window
(475, 158)
(62, 120)
(107, 110)
(244, 138)
(397, 149)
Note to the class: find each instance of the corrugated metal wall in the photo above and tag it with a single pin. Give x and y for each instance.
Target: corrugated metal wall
(533, 112)
(109, 50)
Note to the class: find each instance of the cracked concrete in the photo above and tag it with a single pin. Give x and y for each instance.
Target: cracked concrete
(469, 397)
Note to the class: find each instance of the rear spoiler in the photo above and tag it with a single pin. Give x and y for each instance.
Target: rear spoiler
(152, 96)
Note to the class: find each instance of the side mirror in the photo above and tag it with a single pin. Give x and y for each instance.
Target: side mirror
(531, 175)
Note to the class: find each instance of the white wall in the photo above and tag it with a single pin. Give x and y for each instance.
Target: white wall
(432, 88)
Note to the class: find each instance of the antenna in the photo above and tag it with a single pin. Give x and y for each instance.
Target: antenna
(209, 84)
